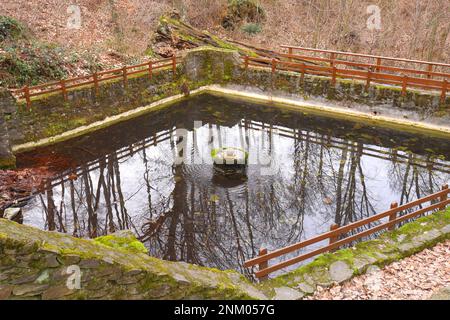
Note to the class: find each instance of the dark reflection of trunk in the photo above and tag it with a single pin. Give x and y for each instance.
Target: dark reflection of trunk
(111, 186)
(92, 215)
(339, 187)
(147, 183)
(76, 223)
(123, 209)
(50, 210)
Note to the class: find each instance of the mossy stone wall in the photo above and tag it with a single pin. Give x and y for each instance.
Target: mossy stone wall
(7, 110)
(36, 264)
(340, 266)
(345, 92)
(51, 115)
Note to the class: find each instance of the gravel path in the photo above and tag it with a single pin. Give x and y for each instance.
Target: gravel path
(416, 277)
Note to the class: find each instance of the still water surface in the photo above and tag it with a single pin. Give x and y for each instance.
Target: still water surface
(154, 175)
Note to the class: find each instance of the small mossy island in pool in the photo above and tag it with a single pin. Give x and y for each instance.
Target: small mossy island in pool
(229, 156)
(190, 221)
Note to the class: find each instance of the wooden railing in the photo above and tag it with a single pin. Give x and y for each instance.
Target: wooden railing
(96, 78)
(367, 72)
(377, 60)
(337, 236)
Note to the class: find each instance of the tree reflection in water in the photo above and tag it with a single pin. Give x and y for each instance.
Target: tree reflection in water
(324, 171)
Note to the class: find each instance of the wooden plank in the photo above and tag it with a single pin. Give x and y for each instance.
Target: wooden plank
(347, 240)
(444, 197)
(393, 216)
(444, 91)
(125, 76)
(34, 94)
(273, 65)
(63, 89)
(174, 66)
(343, 229)
(80, 84)
(263, 265)
(150, 70)
(334, 238)
(376, 67)
(367, 56)
(26, 92)
(95, 76)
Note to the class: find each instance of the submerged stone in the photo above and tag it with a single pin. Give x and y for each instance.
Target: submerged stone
(12, 213)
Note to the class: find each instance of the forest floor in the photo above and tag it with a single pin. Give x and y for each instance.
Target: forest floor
(417, 277)
(17, 185)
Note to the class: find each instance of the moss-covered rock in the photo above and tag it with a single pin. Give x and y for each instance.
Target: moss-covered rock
(215, 65)
(124, 240)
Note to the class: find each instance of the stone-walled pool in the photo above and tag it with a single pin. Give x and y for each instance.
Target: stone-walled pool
(154, 175)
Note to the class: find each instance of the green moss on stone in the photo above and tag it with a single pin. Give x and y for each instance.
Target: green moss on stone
(128, 243)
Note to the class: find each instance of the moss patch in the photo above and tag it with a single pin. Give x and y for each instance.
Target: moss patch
(410, 238)
(124, 241)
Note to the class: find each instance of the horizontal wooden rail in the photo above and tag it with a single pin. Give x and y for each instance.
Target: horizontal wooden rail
(362, 55)
(119, 73)
(336, 232)
(368, 66)
(373, 73)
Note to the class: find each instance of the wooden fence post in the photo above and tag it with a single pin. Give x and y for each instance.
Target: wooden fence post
(444, 197)
(26, 92)
(264, 264)
(274, 65)
(125, 79)
(429, 69)
(333, 239)
(404, 83)
(369, 74)
(95, 75)
(378, 65)
(332, 57)
(62, 83)
(302, 78)
(174, 66)
(393, 216)
(333, 78)
(444, 90)
(150, 70)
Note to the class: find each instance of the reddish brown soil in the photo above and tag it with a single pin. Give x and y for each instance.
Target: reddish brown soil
(33, 171)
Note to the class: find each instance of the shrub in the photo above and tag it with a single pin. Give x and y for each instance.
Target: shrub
(30, 65)
(10, 29)
(243, 10)
(252, 28)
